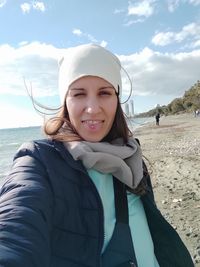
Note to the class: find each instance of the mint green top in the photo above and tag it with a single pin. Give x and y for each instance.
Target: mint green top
(141, 236)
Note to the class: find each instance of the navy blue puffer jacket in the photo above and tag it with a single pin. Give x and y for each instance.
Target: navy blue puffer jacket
(51, 214)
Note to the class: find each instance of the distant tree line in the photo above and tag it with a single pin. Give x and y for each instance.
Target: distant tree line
(188, 103)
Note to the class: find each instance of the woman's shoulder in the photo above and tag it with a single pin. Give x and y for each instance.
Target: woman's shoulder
(46, 151)
(37, 148)
(35, 145)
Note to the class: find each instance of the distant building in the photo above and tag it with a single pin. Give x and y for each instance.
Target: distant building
(131, 108)
(127, 109)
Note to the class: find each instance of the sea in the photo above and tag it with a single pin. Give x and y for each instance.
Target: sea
(11, 139)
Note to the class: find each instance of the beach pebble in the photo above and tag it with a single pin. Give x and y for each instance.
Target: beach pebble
(175, 200)
(197, 256)
(188, 234)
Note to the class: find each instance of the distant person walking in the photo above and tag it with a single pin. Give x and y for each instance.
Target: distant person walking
(157, 118)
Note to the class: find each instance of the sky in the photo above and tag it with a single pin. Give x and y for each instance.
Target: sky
(157, 42)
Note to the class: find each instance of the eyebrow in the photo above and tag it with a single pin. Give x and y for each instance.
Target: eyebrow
(101, 88)
(73, 89)
(107, 87)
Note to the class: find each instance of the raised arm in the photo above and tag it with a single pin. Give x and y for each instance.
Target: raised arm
(26, 206)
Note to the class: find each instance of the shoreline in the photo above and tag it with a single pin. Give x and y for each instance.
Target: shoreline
(172, 152)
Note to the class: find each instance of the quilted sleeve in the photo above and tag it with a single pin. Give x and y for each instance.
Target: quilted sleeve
(26, 206)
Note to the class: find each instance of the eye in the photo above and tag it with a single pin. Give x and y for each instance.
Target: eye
(78, 94)
(105, 92)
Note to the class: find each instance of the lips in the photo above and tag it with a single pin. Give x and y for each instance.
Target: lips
(92, 121)
(93, 124)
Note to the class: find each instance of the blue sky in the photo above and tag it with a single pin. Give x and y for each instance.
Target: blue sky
(158, 43)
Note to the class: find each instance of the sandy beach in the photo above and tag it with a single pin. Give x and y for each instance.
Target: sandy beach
(173, 153)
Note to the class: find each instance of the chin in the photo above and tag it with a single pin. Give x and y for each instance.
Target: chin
(93, 139)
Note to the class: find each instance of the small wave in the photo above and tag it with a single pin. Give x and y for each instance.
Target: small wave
(148, 121)
(13, 144)
(10, 144)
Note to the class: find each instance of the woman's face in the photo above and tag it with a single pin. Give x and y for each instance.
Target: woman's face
(91, 103)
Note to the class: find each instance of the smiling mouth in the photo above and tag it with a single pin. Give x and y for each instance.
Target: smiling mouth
(93, 124)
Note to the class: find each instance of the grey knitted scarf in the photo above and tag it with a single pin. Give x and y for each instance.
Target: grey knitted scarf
(122, 161)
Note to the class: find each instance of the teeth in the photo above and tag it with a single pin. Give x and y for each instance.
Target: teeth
(92, 122)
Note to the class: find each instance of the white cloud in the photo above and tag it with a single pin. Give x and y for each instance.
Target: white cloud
(77, 32)
(191, 30)
(141, 8)
(36, 62)
(172, 5)
(119, 11)
(196, 44)
(88, 36)
(91, 37)
(130, 22)
(26, 7)
(22, 43)
(103, 43)
(163, 38)
(2, 3)
(39, 6)
(155, 73)
(194, 2)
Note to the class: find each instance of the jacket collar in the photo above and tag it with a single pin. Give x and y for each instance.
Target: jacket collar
(60, 148)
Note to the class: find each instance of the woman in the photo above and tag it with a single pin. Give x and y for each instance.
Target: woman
(83, 197)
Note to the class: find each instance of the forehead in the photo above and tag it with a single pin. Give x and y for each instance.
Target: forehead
(90, 81)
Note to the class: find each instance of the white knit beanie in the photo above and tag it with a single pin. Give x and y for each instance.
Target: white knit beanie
(88, 59)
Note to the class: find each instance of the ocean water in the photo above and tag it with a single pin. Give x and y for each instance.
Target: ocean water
(12, 139)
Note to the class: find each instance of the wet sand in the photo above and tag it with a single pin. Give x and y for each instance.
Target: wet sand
(172, 151)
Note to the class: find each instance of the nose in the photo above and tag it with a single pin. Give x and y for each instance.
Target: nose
(92, 106)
